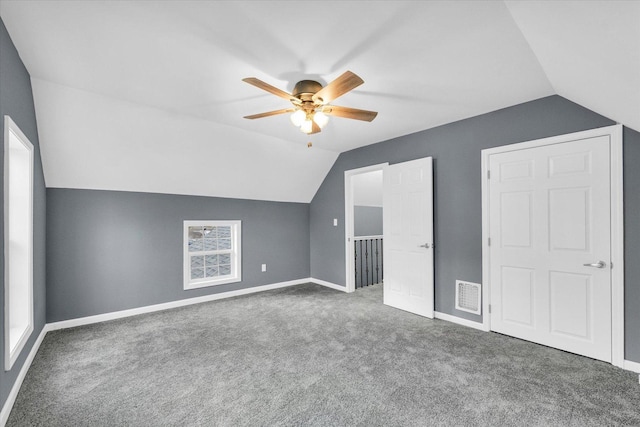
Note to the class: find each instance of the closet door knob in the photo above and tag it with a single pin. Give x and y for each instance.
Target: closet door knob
(599, 264)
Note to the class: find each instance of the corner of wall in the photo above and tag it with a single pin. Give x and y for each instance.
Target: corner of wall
(16, 101)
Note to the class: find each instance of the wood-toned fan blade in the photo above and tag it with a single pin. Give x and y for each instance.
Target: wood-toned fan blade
(350, 113)
(271, 113)
(314, 128)
(271, 89)
(343, 84)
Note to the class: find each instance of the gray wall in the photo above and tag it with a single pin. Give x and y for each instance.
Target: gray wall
(456, 148)
(367, 221)
(110, 251)
(16, 101)
(632, 244)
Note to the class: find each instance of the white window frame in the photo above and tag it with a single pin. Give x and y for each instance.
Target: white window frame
(235, 252)
(18, 264)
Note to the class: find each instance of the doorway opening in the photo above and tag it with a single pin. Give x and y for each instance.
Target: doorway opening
(363, 227)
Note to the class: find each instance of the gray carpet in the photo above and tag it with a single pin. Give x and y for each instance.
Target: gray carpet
(308, 355)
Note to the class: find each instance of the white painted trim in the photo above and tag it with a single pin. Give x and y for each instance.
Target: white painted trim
(459, 320)
(486, 261)
(13, 394)
(617, 248)
(631, 366)
(328, 284)
(617, 227)
(169, 305)
(348, 220)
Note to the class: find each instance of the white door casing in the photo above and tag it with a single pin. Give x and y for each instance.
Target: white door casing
(549, 207)
(349, 220)
(408, 236)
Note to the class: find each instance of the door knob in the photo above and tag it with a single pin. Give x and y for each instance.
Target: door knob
(599, 264)
(426, 245)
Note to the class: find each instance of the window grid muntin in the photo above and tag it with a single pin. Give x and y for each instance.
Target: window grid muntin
(211, 259)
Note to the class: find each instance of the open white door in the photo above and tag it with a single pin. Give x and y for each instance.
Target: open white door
(408, 236)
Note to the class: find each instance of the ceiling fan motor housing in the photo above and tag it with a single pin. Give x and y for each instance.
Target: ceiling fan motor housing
(305, 89)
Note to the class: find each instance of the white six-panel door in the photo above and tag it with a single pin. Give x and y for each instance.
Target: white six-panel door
(408, 236)
(550, 249)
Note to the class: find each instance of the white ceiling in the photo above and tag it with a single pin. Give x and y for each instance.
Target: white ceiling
(147, 95)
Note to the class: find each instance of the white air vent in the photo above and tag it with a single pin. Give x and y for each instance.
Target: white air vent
(468, 296)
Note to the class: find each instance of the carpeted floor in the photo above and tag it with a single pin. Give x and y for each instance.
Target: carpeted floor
(308, 355)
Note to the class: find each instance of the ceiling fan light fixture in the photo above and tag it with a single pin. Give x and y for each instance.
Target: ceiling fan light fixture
(307, 126)
(321, 119)
(298, 117)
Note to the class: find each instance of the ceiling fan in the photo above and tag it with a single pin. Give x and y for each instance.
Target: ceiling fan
(310, 101)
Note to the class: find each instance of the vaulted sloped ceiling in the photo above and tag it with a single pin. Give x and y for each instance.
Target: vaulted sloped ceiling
(147, 96)
(589, 50)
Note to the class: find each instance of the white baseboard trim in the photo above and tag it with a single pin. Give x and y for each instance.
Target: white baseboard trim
(328, 284)
(459, 320)
(631, 366)
(11, 399)
(71, 323)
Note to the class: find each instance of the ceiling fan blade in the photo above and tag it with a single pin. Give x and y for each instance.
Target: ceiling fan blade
(271, 89)
(349, 113)
(270, 113)
(314, 128)
(343, 84)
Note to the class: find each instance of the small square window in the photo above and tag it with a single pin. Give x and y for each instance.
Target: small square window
(212, 253)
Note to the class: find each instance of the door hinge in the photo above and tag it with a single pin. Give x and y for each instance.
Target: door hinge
(488, 174)
(489, 308)
(489, 241)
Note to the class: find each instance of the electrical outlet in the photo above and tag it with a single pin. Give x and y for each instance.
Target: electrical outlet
(264, 267)
(335, 222)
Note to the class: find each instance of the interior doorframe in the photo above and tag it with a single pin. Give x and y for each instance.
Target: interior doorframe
(348, 219)
(617, 227)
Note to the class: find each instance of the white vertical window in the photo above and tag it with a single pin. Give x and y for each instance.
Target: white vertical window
(18, 241)
(212, 254)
